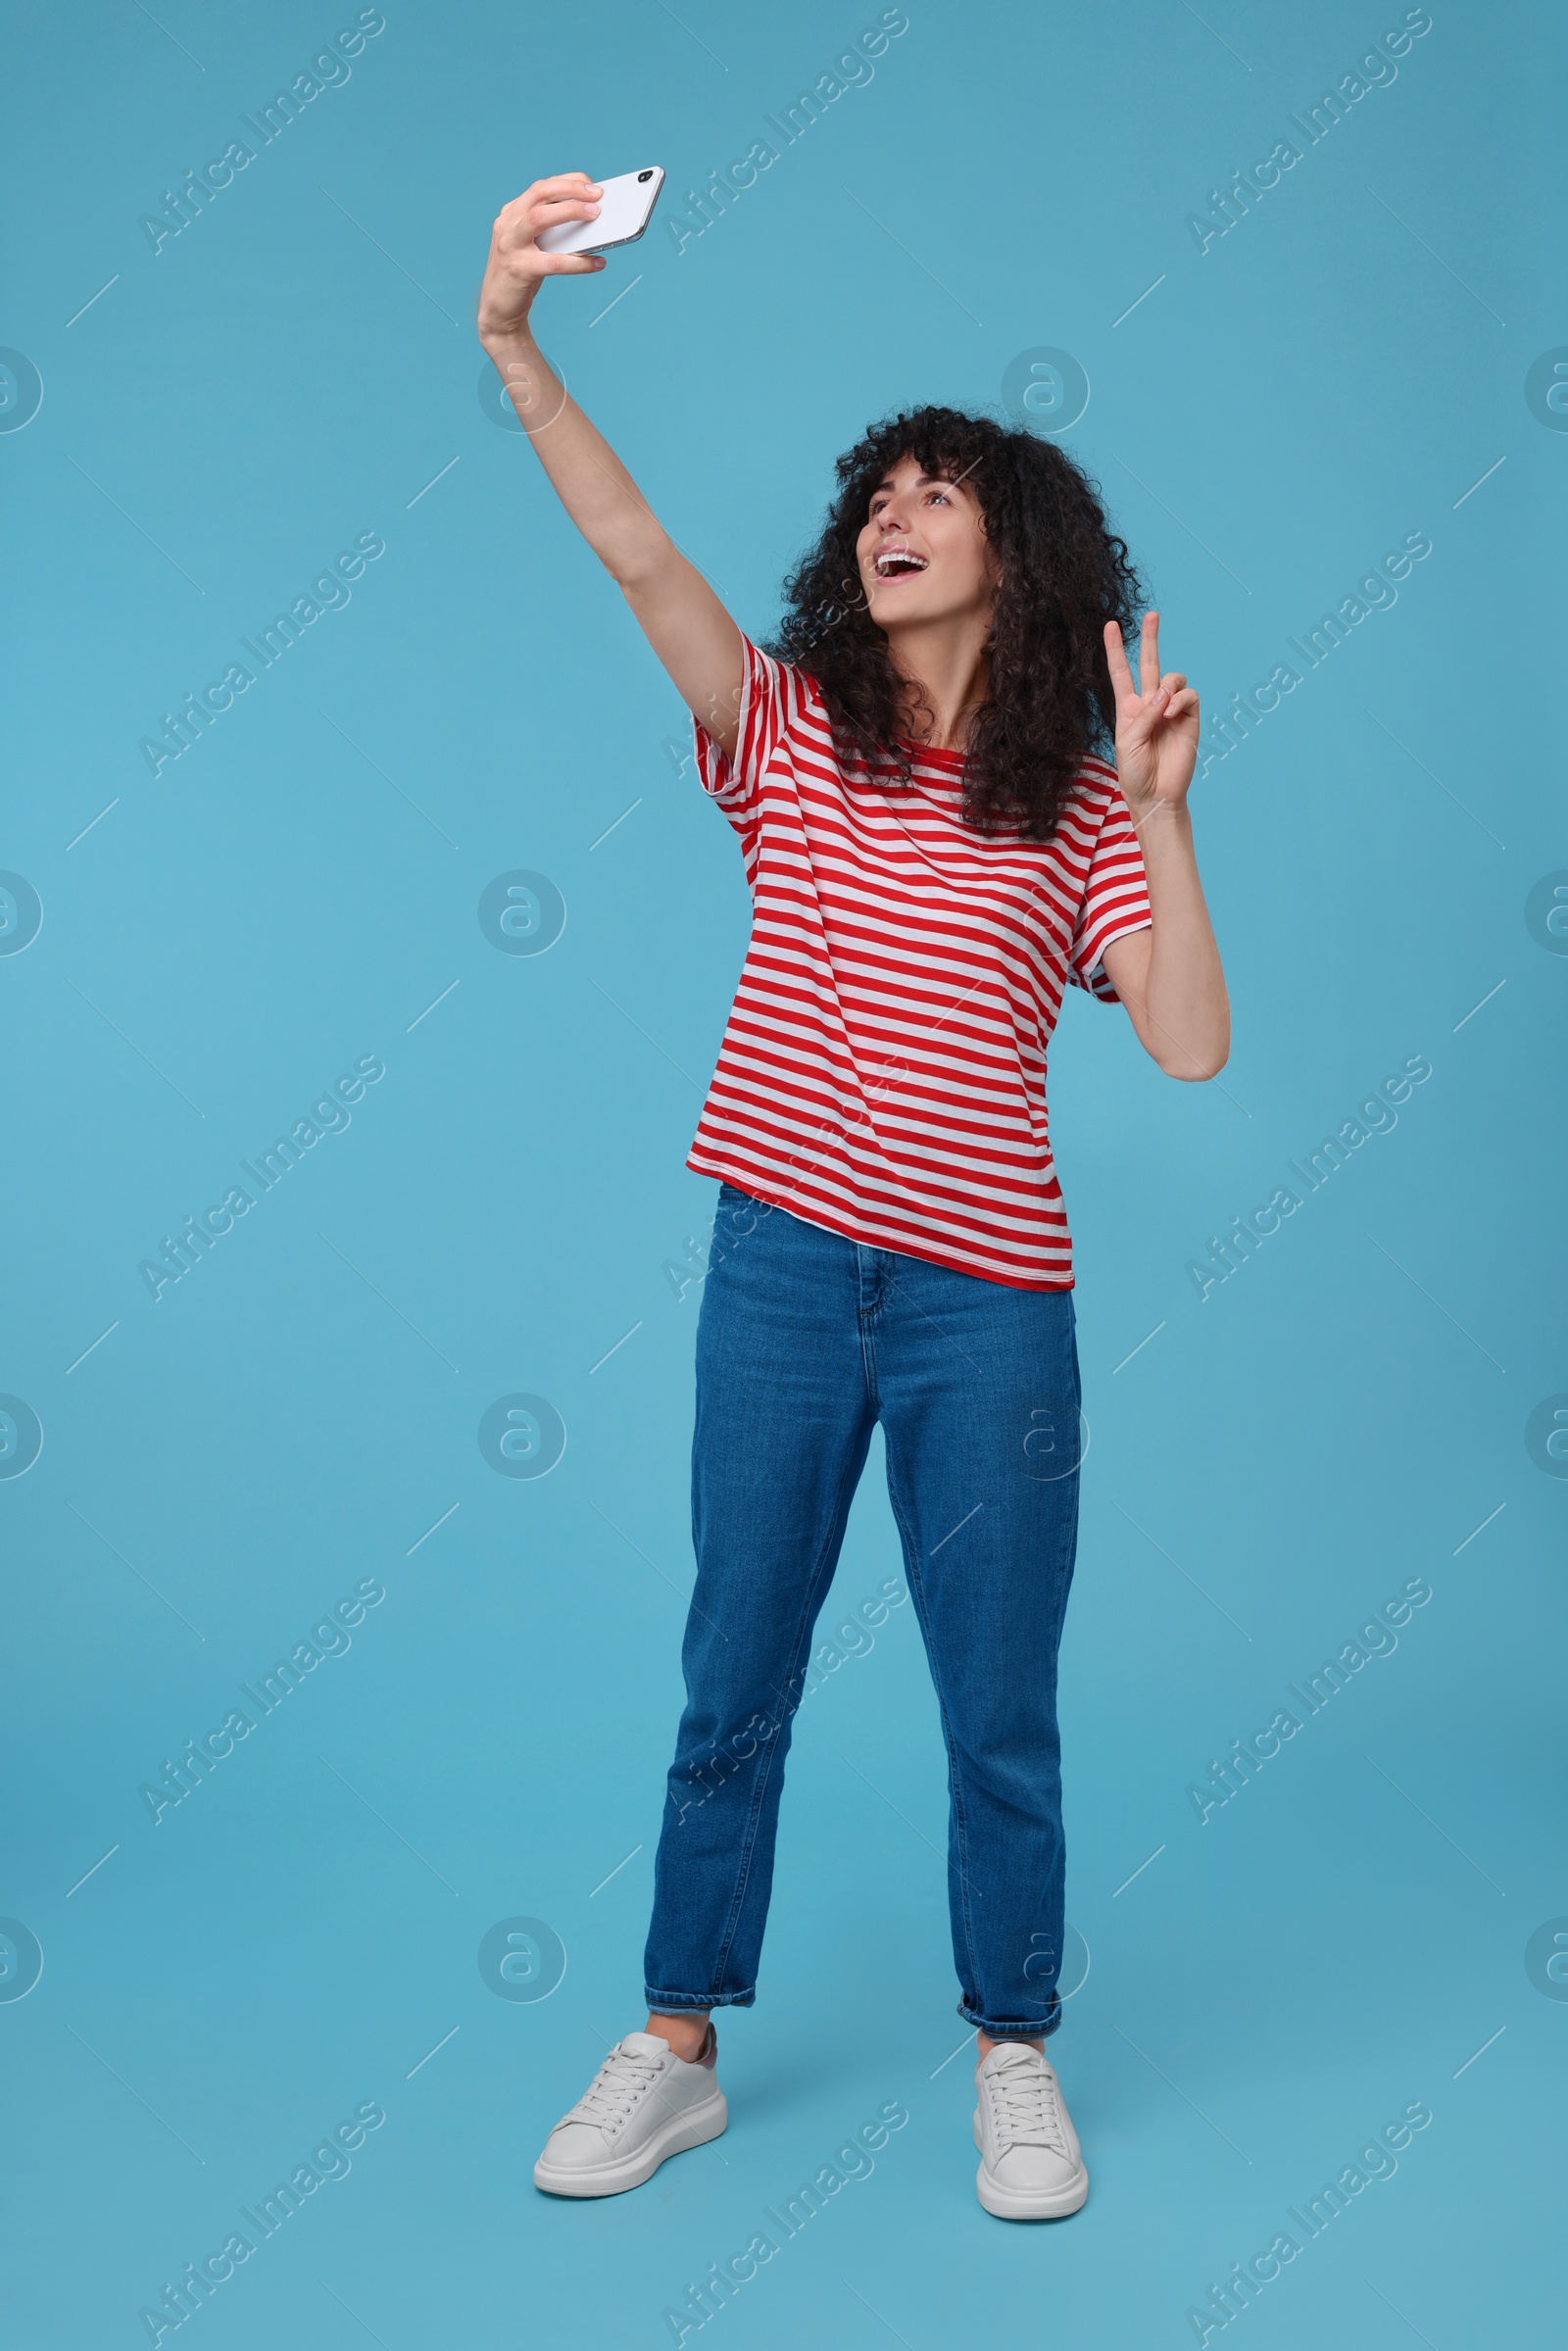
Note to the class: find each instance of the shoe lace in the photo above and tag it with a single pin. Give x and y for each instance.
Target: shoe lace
(1027, 2106)
(622, 2079)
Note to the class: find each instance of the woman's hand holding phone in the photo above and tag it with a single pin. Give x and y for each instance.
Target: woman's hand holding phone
(516, 265)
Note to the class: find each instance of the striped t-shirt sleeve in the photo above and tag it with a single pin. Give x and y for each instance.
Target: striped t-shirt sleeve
(735, 783)
(1115, 899)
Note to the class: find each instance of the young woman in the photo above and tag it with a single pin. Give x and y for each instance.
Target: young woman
(934, 852)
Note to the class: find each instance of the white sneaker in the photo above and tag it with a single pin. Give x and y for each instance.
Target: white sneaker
(1031, 2168)
(643, 2104)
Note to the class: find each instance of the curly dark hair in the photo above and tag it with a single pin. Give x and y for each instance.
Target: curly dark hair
(1063, 573)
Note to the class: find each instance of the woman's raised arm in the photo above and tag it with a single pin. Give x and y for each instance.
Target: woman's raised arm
(678, 612)
(1168, 976)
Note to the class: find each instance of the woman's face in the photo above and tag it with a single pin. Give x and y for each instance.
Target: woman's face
(922, 552)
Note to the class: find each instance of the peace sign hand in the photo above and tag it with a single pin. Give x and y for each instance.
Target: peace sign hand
(1156, 723)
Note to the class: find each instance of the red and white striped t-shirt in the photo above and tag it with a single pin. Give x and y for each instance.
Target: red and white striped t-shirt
(883, 1072)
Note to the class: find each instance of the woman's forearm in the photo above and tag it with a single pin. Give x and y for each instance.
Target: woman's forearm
(589, 480)
(1184, 1003)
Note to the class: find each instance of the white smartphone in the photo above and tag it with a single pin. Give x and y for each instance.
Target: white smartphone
(625, 208)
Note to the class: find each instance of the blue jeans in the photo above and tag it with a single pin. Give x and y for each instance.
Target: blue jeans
(806, 1341)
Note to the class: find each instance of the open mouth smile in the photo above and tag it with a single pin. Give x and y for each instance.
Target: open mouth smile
(898, 562)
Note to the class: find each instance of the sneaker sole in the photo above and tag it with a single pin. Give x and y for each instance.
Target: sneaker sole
(693, 2129)
(1030, 2204)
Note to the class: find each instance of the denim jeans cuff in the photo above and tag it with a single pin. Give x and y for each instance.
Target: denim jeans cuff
(1010, 2028)
(680, 2003)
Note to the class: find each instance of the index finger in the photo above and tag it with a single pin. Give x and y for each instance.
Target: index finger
(1121, 677)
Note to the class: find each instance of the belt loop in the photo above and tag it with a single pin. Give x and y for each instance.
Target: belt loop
(872, 1267)
(864, 1289)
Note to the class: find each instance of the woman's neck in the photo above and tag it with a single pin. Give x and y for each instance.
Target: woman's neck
(947, 678)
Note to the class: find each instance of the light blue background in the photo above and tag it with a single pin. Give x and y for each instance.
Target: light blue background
(302, 1407)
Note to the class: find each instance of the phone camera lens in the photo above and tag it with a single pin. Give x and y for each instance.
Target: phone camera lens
(642, 175)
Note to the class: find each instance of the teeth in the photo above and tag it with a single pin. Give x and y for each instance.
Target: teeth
(899, 558)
